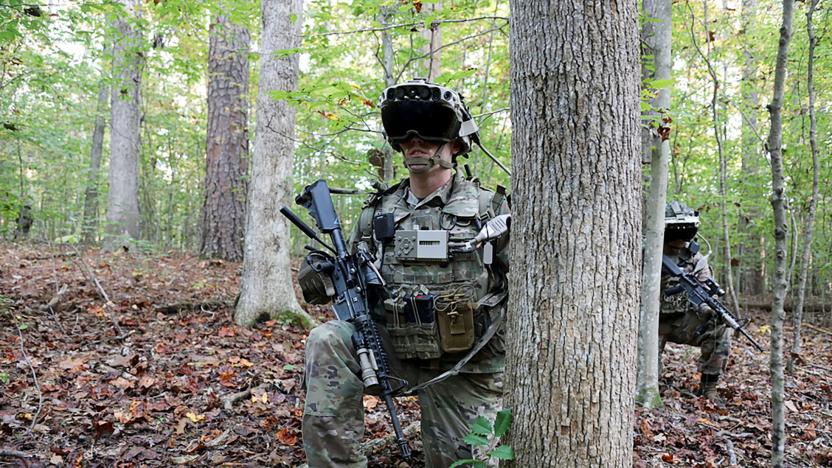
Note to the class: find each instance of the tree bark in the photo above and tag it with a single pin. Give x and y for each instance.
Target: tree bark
(123, 196)
(803, 273)
(656, 35)
(90, 220)
(576, 240)
(266, 285)
(778, 202)
(223, 212)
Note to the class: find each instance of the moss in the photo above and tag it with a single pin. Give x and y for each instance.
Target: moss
(649, 397)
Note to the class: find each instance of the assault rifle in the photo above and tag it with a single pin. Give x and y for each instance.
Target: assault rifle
(702, 293)
(351, 275)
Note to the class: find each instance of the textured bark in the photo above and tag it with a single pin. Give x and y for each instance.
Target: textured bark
(90, 220)
(803, 273)
(266, 285)
(751, 253)
(778, 201)
(656, 35)
(576, 232)
(223, 213)
(123, 196)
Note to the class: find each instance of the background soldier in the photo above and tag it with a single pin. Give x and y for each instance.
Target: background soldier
(440, 310)
(680, 321)
(24, 222)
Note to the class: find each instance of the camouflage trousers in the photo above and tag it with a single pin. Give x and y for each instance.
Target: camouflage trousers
(698, 328)
(333, 416)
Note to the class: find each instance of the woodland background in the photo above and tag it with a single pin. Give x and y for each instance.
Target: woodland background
(60, 75)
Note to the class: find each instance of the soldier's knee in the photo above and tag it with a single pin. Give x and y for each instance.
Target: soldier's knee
(333, 335)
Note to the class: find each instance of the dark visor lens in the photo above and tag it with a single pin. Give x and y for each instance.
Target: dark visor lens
(674, 232)
(429, 120)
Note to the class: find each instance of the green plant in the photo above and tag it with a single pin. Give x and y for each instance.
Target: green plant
(485, 438)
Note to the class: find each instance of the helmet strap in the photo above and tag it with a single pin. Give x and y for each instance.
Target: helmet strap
(434, 160)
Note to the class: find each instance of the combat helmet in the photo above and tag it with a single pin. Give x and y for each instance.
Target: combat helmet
(427, 110)
(680, 222)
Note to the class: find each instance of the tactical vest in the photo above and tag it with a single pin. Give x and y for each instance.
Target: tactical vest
(435, 307)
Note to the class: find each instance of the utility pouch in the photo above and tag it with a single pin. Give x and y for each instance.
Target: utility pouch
(421, 245)
(456, 325)
(411, 325)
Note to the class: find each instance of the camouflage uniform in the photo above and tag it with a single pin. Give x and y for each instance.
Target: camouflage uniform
(333, 421)
(681, 322)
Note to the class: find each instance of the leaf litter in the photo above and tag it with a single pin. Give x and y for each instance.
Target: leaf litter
(187, 386)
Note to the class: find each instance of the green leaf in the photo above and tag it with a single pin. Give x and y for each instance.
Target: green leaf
(502, 422)
(475, 440)
(23, 326)
(481, 426)
(468, 461)
(289, 367)
(4, 377)
(503, 452)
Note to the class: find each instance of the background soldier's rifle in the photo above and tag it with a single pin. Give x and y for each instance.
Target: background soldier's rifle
(351, 275)
(702, 293)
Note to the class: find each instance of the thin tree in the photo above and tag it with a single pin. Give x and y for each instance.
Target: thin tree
(576, 232)
(266, 285)
(656, 34)
(223, 213)
(125, 117)
(90, 220)
(803, 273)
(778, 204)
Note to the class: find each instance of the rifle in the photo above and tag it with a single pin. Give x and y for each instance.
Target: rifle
(702, 293)
(352, 275)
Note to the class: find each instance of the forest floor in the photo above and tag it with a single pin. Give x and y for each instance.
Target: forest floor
(161, 376)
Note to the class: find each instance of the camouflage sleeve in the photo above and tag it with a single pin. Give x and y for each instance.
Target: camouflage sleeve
(701, 269)
(362, 230)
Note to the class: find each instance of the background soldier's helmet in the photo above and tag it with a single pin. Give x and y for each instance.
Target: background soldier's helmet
(431, 112)
(680, 222)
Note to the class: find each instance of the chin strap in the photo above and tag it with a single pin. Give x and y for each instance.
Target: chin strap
(427, 163)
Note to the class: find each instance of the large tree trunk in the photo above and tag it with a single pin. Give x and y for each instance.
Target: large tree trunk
(576, 240)
(803, 273)
(751, 251)
(89, 225)
(223, 212)
(778, 201)
(656, 34)
(266, 285)
(123, 197)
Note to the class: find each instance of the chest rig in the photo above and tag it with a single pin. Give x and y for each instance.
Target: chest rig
(689, 262)
(432, 296)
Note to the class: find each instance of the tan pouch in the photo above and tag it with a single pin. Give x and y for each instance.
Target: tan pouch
(456, 328)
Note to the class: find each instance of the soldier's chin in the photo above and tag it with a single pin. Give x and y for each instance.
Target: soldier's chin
(418, 166)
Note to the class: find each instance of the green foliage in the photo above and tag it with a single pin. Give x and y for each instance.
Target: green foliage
(485, 438)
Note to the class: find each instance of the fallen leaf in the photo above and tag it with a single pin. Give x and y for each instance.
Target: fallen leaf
(195, 418)
(370, 401)
(645, 429)
(184, 459)
(286, 437)
(146, 381)
(227, 332)
(122, 383)
(667, 458)
(73, 364)
(56, 460)
(790, 405)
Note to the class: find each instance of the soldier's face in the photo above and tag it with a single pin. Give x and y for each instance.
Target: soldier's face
(674, 247)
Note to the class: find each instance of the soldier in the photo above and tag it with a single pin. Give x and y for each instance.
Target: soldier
(440, 315)
(680, 321)
(24, 222)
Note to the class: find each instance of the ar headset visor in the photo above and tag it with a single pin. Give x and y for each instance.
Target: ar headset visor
(423, 110)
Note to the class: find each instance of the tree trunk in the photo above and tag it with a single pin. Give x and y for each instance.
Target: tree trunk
(90, 220)
(266, 288)
(433, 51)
(223, 212)
(752, 276)
(656, 34)
(123, 196)
(576, 241)
(778, 201)
(810, 219)
(388, 62)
